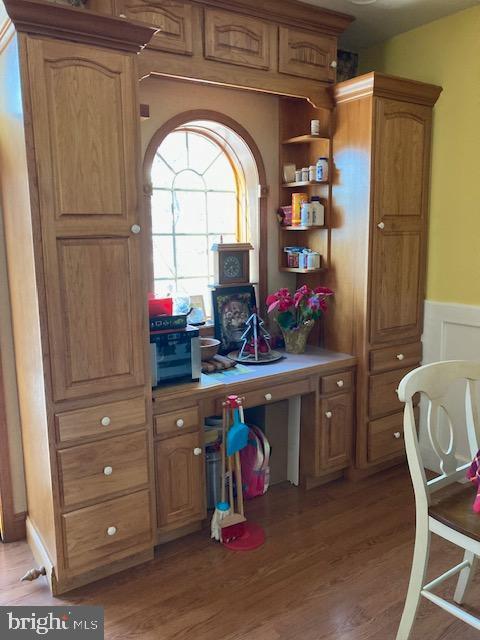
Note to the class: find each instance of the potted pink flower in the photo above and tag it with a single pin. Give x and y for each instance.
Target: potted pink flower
(296, 314)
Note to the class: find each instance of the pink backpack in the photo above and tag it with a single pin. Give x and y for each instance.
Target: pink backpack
(255, 459)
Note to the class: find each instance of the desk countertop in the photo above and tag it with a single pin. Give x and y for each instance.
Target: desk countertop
(313, 361)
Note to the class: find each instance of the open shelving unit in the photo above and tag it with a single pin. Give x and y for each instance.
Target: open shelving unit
(298, 147)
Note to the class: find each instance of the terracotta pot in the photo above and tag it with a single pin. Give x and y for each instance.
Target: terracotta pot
(296, 339)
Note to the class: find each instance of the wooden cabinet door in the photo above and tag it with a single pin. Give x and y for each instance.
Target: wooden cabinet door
(307, 54)
(85, 123)
(171, 17)
(236, 39)
(180, 480)
(400, 202)
(337, 431)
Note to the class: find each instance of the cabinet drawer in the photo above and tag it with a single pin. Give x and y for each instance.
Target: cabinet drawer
(176, 422)
(342, 381)
(101, 420)
(270, 394)
(385, 437)
(108, 531)
(383, 397)
(97, 470)
(404, 355)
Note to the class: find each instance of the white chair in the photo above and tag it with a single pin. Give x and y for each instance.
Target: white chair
(449, 515)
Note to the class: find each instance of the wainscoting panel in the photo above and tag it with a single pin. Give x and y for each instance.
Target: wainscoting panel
(451, 332)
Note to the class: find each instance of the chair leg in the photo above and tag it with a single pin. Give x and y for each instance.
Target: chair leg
(417, 580)
(465, 578)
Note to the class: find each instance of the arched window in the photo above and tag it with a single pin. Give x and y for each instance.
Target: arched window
(196, 201)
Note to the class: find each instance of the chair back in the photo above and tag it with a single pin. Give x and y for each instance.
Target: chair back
(433, 381)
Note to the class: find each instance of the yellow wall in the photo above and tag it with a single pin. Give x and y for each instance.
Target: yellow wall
(447, 52)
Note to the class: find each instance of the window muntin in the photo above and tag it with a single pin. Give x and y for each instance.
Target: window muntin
(195, 203)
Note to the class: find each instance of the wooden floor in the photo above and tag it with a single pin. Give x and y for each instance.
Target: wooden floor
(335, 566)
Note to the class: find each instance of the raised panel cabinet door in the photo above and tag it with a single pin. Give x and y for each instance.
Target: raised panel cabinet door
(237, 39)
(85, 122)
(96, 328)
(180, 480)
(337, 431)
(172, 18)
(306, 54)
(401, 178)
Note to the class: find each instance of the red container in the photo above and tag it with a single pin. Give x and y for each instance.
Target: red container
(160, 307)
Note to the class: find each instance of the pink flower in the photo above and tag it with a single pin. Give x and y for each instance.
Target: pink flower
(323, 291)
(281, 301)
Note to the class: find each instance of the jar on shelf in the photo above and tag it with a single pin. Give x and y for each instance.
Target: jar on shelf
(305, 174)
(317, 212)
(322, 169)
(306, 214)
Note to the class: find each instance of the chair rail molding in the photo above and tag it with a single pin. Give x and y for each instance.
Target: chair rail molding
(451, 332)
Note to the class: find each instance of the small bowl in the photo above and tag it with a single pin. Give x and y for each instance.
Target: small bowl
(209, 348)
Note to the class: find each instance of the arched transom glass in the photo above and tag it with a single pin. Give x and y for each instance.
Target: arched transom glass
(194, 204)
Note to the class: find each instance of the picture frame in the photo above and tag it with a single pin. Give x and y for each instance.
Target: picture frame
(232, 306)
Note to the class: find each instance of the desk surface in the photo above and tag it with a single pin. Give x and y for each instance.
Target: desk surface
(313, 361)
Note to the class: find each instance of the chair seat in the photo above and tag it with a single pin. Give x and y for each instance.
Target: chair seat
(453, 507)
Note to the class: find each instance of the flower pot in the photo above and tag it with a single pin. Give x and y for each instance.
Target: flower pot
(296, 339)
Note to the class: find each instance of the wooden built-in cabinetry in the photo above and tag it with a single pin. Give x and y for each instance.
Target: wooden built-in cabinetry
(381, 159)
(275, 45)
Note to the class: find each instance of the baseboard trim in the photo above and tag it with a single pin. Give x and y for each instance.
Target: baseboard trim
(39, 552)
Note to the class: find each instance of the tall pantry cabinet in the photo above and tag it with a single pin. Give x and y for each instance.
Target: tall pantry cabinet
(381, 157)
(74, 251)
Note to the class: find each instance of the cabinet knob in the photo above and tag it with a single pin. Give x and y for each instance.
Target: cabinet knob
(107, 471)
(111, 531)
(397, 435)
(334, 64)
(381, 225)
(135, 228)
(122, 15)
(180, 423)
(268, 396)
(105, 421)
(400, 356)
(328, 414)
(197, 451)
(340, 383)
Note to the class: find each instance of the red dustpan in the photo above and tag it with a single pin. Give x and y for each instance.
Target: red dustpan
(252, 538)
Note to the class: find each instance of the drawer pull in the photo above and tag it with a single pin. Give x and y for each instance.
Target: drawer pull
(400, 356)
(381, 225)
(397, 435)
(135, 228)
(197, 451)
(268, 397)
(334, 64)
(107, 471)
(340, 383)
(328, 414)
(180, 423)
(111, 531)
(105, 421)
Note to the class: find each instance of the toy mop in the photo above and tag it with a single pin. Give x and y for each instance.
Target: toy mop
(229, 524)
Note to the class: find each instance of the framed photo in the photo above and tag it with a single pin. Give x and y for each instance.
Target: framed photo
(232, 306)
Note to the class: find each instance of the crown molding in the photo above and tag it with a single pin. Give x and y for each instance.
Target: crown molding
(385, 86)
(290, 13)
(40, 17)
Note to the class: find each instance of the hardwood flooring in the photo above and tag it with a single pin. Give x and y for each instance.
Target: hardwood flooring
(335, 565)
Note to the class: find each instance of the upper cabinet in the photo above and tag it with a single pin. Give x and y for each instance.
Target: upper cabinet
(85, 119)
(401, 167)
(172, 18)
(307, 54)
(237, 39)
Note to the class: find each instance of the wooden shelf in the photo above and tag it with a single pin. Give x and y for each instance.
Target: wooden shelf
(305, 139)
(297, 270)
(300, 228)
(309, 183)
